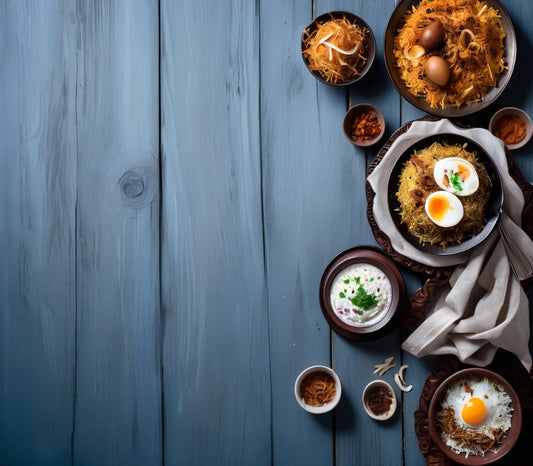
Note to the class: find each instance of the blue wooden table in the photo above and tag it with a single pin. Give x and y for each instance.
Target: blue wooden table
(173, 182)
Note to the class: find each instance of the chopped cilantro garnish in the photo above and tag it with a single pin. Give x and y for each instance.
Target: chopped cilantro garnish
(346, 281)
(363, 300)
(456, 182)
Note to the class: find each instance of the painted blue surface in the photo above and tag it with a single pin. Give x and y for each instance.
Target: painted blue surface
(173, 182)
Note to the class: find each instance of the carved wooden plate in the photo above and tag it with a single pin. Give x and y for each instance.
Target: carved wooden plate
(510, 368)
(437, 277)
(363, 255)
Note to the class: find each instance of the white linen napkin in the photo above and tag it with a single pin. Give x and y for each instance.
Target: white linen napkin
(483, 307)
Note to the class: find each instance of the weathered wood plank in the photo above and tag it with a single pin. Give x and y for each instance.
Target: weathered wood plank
(518, 92)
(249, 139)
(37, 228)
(308, 171)
(360, 438)
(216, 371)
(118, 402)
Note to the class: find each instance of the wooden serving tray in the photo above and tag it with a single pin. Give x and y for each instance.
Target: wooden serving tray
(437, 277)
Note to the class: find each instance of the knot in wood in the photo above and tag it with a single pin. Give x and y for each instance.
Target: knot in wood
(132, 184)
(137, 187)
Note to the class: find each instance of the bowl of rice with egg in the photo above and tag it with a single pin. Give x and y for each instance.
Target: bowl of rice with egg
(445, 194)
(450, 57)
(475, 417)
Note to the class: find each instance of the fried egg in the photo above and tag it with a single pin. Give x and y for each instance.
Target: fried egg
(456, 175)
(479, 407)
(444, 209)
(479, 404)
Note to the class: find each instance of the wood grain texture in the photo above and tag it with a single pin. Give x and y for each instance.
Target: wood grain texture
(173, 182)
(216, 353)
(519, 92)
(308, 168)
(37, 232)
(118, 414)
(381, 442)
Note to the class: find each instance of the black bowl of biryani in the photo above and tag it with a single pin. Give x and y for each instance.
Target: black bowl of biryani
(338, 48)
(429, 172)
(475, 417)
(450, 57)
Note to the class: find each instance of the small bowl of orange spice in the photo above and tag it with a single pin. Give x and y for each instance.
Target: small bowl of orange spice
(363, 125)
(318, 389)
(513, 126)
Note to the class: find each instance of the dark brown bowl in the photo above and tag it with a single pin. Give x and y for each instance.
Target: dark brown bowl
(395, 23)
(492, 210)
(349, 118)
(368, 255)
(510, 437)
(371, 44)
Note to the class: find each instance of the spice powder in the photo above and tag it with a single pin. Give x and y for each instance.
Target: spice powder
(379, 400)
(510, 129)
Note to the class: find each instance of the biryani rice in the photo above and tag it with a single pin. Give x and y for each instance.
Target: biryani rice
(416, 183)
(473, 49)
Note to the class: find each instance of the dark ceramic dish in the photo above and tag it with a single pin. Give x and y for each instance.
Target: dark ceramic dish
(395, 23)
(371, 43)
(349, 118)
(492, 210)
(359, 255)
(511, 435)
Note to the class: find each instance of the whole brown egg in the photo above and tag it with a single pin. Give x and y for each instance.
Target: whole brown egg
(432, 35)
(437, 70)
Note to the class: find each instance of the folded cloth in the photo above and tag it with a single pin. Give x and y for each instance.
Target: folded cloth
(483, 307)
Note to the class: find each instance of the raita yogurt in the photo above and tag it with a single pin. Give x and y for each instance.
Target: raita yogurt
(361, 295)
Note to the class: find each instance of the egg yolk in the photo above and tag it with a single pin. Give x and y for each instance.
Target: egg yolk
(438, 206)
(463, 171)
(474, 411)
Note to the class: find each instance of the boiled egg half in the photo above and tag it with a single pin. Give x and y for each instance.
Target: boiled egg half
(456, 175)
(444, 209)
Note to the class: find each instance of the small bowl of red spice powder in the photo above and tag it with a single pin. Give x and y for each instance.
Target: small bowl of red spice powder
(318, 389)
(513, 126)
(379, 400)
(363, 125)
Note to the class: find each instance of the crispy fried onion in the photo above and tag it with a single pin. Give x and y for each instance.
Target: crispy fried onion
(475, 441)
(473, 48)
(317, 389)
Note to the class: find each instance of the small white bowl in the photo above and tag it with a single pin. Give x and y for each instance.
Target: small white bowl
(392, 409)
(326, 407)
(513, 111)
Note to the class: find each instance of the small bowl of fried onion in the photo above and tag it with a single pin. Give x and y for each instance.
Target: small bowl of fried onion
(338, 48)
(318, 389)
